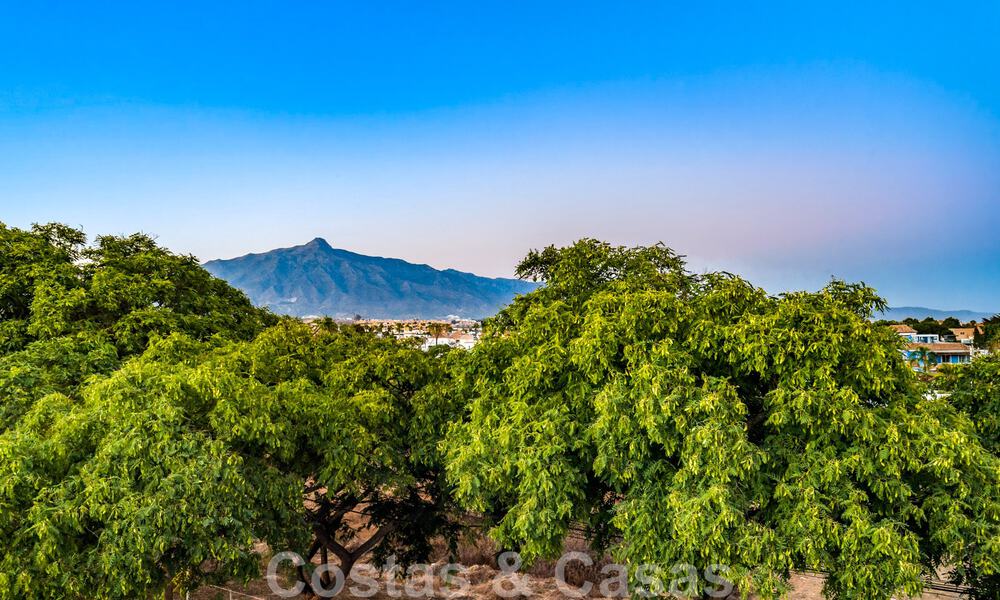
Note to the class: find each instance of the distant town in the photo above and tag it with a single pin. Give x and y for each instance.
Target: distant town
(455, 332)
(931, 343)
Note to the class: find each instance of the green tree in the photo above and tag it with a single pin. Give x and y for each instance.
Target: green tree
(98, 485)
(171, 470)
(68, 311)
(932, 326)
(437, 329)
(73, 461)
(29, 260)
(987, 337)
(122, 491)
(974, 389)
(356, 419)
(696, 419)
(922, 360)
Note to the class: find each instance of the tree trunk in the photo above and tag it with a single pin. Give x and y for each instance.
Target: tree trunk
(346, 566)
(303, 576)
(168, 589)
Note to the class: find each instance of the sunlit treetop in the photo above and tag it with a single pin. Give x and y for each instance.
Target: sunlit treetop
(68, 310)
(696, 419)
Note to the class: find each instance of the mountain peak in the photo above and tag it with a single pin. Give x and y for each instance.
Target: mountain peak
(315, 279)
(320, 243)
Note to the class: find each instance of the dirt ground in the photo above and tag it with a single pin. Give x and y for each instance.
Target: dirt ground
(478, 554)
(483, 579)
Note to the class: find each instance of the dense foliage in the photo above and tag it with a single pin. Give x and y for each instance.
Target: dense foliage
(698, 420)
(987, 336)
(353, 420)
(158, 431)
(68, 311)
(975, 390)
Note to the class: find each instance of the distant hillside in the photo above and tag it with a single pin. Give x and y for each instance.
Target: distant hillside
(316, 279)
(898, 313)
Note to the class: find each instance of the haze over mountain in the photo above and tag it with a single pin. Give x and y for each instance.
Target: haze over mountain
(317, 279)
(898, 313)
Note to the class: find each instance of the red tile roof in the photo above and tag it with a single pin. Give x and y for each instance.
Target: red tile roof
(966, 333)
(941, 348)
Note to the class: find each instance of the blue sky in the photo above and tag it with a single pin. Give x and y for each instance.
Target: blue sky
(789, 142)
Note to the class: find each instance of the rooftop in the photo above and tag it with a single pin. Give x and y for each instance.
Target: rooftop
(941, 348)
(965, 333)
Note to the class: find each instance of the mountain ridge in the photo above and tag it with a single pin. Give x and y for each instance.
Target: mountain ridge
(317, 279)
(898, 313)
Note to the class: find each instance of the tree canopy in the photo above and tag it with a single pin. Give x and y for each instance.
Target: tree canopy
(170, 470)
(987, 335)
(158, 431)
(974, 389)
(68, 310)
(157, 428)
(696, 419)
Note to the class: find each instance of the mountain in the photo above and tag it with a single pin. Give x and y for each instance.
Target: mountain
(316, 279)
(899, 313)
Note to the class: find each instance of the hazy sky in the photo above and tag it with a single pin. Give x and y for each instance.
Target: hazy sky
(789, 143)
